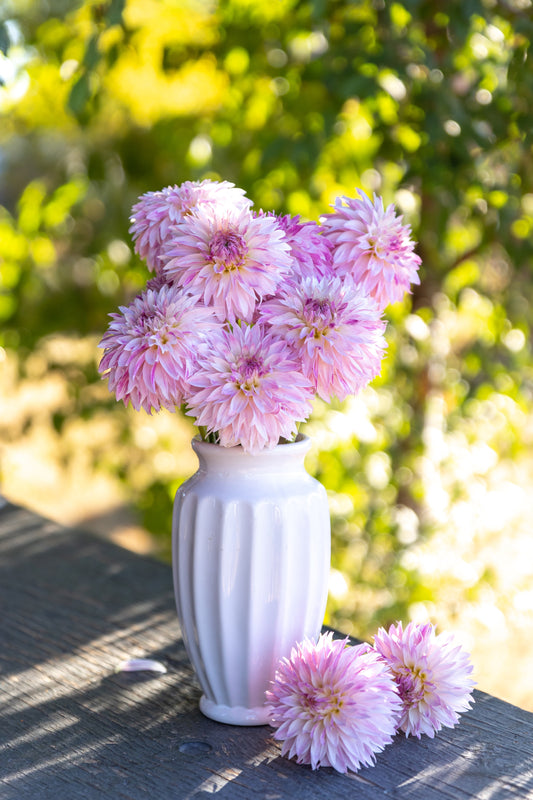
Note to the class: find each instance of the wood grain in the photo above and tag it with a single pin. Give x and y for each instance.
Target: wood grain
(73, 607)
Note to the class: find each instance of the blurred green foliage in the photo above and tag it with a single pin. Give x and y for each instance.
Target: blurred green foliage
(429, 104)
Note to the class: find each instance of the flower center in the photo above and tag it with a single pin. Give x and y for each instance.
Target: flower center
(161, 334)
(227, 251)
(412, 685)
(319, 314)
(324, 703)
(158, 329)
(383, 243)
(250, 371)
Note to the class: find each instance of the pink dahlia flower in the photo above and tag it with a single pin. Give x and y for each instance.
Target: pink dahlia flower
(335, 330)
(247, 389)
(433, 676)
(230, 259)
(156, 212)
(332, 705)
(150, 345)
(310, 251)
(371, 243)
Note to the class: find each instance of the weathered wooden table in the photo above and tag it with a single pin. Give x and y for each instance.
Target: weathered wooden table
(73, 607)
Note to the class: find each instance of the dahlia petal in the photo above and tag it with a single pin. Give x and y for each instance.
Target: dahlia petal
(335, 330)
(248, 371)
(149, 347)
(331, 685)
(433, 676)
(155, 213)
(231, 258)
(371, 243)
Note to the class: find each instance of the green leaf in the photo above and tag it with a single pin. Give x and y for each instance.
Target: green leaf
(116, 9)
(92, 54)
(79, 94)
(516, 65)
(5, 39)
(318, 9)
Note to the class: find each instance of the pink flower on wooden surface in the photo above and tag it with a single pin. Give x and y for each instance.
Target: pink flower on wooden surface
(230, 260)
(248, 389)
(335, 330)
(155, 213)
(372, 245)
(150, 345)
(433, 673)
(333, 705)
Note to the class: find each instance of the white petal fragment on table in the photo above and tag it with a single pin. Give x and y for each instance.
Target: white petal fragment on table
(141, 665)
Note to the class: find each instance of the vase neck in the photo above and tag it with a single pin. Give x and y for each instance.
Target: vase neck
(282, 458)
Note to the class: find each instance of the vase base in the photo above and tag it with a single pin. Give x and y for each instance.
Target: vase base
(233, 715)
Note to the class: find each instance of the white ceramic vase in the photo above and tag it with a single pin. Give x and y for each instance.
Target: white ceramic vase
(251, 556)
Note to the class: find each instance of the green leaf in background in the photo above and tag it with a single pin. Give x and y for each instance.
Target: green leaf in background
(79, 94)
(114, 14)
(5, 39)
(92, 53)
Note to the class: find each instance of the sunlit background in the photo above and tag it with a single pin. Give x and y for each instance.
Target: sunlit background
(430, 471)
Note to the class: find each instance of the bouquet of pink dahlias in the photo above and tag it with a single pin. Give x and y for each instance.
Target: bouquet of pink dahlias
(249, 315)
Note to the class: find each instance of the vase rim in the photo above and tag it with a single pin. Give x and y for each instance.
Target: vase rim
(301, 443)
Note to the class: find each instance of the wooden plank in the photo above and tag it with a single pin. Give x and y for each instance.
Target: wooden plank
(74, 606)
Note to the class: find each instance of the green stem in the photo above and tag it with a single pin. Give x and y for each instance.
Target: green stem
(206, 436)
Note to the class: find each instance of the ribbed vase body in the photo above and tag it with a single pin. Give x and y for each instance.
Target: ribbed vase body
(251, 556)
